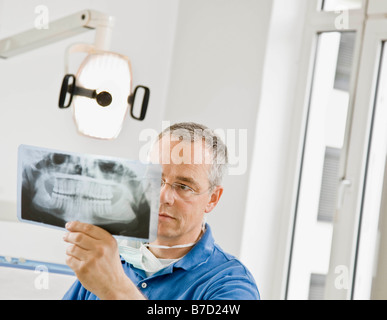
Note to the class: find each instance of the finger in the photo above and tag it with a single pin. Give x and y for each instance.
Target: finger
(77, 252)
(86, 228)
(73, 262)
(80, 239)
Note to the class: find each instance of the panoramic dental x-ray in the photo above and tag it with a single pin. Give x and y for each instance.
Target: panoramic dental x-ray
(119, 195)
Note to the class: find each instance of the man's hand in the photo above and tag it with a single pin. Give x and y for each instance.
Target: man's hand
(93, 256)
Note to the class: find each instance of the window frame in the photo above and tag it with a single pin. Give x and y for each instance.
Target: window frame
(319, 21)
(375, 34)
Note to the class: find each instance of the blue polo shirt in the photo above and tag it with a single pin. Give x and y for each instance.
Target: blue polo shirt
(206, 272)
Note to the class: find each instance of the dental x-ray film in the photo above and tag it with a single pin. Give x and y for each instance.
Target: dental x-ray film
(119, 195)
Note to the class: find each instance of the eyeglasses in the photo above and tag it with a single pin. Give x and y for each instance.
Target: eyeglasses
(182, 191)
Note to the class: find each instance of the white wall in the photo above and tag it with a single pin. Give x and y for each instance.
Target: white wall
(216, 79)
(267, 228)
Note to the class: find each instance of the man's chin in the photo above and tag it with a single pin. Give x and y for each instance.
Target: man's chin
(166, 229)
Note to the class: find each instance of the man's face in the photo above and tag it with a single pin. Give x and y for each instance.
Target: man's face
(180, 220)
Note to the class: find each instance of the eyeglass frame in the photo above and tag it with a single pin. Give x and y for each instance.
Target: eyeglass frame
(173, 187)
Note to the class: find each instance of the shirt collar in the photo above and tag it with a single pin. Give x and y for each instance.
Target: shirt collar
(199, 253)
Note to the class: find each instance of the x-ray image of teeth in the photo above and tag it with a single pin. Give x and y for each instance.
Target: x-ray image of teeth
(119, 195)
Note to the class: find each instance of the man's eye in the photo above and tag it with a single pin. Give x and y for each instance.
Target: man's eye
(183, 187)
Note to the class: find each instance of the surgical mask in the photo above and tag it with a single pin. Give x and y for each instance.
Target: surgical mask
(142, 258)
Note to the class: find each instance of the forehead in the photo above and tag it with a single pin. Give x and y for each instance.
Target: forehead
(171, 150)
(186, 158)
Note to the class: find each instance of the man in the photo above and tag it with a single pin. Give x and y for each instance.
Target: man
(183, 262)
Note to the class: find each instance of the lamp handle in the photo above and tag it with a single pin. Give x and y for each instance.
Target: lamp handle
(144, 105)
(66, 88)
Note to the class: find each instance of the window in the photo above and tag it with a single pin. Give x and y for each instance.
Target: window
(327, 119)
(370, 276)
(339, 235)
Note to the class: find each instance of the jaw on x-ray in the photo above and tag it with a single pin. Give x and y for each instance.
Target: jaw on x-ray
(119, 195)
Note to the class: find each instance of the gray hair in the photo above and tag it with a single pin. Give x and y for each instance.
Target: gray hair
(191, 131)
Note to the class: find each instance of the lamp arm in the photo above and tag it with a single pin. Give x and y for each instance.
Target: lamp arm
(58, 30)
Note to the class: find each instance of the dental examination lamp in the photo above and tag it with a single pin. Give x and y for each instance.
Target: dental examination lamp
(101, 90)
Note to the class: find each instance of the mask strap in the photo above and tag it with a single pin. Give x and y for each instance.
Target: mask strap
(170, 247)
(178, 245)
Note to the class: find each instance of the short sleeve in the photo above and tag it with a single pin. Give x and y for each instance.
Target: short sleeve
(233, 288)
(78, 292)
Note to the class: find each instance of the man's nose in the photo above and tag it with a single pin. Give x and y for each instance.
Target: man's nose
(167, 195)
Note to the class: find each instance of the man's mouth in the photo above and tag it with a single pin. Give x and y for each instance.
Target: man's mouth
(163, 215)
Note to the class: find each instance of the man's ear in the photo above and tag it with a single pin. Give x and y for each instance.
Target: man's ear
(214, 198)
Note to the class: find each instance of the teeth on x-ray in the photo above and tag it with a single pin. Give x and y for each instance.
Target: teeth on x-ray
(80, 194)
(78, 188)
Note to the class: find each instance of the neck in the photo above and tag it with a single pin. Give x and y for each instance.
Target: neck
(169, 253)
(173, 253)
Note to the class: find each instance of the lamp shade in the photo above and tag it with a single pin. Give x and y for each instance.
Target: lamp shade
(108, 75)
